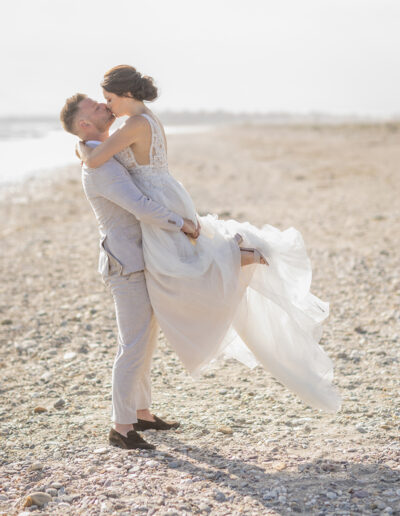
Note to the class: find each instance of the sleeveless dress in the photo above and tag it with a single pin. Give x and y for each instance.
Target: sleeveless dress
(209, 307)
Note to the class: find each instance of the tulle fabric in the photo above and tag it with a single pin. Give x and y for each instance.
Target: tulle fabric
(209, 307)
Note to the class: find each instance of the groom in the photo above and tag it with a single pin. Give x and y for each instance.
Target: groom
(118, 206)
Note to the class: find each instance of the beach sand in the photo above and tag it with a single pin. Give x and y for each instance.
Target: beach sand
(246, 445)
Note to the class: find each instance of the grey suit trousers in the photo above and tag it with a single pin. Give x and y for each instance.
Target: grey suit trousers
(137, 339)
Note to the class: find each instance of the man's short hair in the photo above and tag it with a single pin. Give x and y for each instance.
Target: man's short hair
(69, 112)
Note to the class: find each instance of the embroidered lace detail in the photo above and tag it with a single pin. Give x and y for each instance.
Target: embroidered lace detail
(126, 158)
(147, 180)
(157, 155)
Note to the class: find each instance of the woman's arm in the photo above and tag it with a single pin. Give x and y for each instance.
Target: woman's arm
(130, 133)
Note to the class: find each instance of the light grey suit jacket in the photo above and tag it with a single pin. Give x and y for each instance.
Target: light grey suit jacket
(119, 206)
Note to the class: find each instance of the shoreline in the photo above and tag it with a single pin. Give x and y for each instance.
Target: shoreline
(246, 445)
(55, 148)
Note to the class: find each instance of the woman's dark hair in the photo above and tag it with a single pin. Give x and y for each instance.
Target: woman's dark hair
(124, 79)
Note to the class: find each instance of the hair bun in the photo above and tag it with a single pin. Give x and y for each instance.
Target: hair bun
(125, 79)
(147, 89)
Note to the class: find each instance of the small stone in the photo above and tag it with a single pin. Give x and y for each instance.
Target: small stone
(56, 485)
(5, 322)
(269, 495)
(63, 505)
(360, 330)
(219, 496)
(69, 498)
(69, 355)
(100, 451)
(37, 498)
(39, 410)
(225, 429)
(330, 467)
(280, 466)
(174, 464)
(361, 494)
(59, 403)
(171, 489)
(36, 466)
(361, 429)
(204, 507)
(152, 463)
(331, 495)
(51, 491)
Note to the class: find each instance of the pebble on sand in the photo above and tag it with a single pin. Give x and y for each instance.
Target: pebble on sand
(36, 466)
(100, 451)
(69, 355)
(39, 410)
(225, 429)
(37, 498)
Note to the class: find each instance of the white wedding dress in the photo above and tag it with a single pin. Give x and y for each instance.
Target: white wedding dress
(209, 307)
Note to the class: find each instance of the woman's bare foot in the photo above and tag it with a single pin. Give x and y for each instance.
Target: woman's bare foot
(251, 256)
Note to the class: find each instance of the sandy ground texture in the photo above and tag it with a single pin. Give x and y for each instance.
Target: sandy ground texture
(246, 445)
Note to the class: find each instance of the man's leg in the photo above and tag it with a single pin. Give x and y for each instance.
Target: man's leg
(135, 322)
(143, 392)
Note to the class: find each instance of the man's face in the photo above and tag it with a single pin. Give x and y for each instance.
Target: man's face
(95, 113)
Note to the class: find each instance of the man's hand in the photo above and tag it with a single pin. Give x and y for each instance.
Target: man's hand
(190, 229)
(82, 150)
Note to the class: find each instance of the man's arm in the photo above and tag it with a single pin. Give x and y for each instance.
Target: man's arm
(112, 181)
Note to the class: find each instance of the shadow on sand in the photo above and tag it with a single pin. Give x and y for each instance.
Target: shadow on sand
(337, 487)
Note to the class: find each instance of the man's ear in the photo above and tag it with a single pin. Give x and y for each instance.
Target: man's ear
(84, 124)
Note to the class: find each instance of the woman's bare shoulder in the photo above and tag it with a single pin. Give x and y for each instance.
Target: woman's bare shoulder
(136, 122)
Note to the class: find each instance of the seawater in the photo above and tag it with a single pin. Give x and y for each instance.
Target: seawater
(29, 147)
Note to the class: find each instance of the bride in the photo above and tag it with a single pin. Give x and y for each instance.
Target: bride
(238, 290)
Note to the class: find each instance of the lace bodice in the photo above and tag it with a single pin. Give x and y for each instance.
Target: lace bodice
(157, 156)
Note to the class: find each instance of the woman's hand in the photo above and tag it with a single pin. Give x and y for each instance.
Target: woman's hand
(190, 229)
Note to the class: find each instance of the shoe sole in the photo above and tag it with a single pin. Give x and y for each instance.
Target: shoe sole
(123, 446)
(140, 429)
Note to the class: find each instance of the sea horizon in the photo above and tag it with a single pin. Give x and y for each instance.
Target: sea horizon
(44, 145)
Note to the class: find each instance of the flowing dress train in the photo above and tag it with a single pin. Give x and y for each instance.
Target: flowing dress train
(209, 307)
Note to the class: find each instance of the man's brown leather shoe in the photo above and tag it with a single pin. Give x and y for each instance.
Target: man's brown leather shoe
(132, 441)
(158, 424)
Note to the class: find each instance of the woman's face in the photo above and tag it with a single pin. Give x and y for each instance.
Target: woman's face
(115, 103)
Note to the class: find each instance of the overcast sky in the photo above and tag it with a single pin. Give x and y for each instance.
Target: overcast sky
(333, 56)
